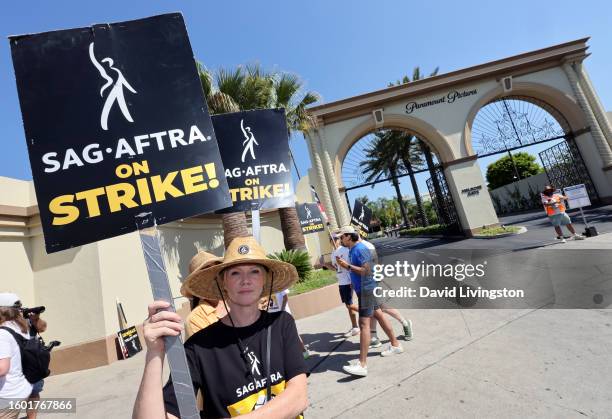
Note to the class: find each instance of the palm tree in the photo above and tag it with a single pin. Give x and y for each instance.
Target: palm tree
(287, 94)
(408, 151)
(411, 149)
(252, 88)
(416, 75)
(383, 160)
(221, 99)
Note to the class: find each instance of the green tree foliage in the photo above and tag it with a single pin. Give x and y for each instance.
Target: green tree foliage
(502, 172)
(388, 212)
(384, 162)
(416, 75)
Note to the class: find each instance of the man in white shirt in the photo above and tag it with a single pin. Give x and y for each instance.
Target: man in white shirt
(344, 283)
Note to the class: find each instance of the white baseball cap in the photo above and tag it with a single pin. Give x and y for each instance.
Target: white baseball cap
(8, 299)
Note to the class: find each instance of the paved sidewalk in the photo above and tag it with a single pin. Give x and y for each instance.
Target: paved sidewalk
(462, 363)
(602, 241)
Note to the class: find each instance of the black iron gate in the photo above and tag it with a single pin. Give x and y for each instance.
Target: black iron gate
(564, 167)
(442, 201)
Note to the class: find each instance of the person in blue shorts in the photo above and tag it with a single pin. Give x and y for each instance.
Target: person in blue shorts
(360, 268)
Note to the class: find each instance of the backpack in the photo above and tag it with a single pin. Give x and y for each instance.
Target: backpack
(35, 358)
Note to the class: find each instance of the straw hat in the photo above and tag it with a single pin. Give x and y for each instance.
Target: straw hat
(201, 260)
(347, 230)
(242, 250)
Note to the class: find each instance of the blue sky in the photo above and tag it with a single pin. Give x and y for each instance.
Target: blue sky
(340, 48)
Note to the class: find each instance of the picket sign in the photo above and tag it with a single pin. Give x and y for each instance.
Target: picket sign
(578, 197)
(175, 351)
(256, 224)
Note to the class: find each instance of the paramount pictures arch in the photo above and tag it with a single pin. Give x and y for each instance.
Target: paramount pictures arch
(440, 111)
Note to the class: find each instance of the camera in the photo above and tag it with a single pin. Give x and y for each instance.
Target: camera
(34, 310)
(53, 344)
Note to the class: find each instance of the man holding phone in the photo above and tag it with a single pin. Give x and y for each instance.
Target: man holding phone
(360, 268)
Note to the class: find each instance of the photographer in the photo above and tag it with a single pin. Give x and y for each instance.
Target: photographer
(36, 326)
(13, 384)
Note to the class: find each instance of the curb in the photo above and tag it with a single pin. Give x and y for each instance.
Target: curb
(432, 236)
(499, 236)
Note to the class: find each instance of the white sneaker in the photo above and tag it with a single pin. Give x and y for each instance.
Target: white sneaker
(392, 350)
(352, 332)
(356, 369)
(561, 239)
(578, 237)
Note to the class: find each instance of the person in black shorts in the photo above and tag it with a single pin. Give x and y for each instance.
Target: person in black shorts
(227, 360)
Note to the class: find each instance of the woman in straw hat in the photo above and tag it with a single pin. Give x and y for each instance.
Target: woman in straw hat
(228, 360)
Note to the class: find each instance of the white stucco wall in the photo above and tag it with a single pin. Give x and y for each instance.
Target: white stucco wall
(17, 192)
(536, 183)
(17, 276)
(68, 284)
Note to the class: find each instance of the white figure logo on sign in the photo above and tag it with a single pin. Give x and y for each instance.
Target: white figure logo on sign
(116, 92)
(308, 212)
(362, 214)
(248, 142)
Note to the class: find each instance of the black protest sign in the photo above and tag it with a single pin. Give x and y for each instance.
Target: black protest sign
(116, 125)
(255, 151)
(129, 342)
(310, 218)
(361, 218)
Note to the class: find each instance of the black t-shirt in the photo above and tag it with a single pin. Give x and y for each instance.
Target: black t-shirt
(228, 386)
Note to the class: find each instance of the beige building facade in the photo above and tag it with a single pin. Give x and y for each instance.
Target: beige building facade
(440, 111)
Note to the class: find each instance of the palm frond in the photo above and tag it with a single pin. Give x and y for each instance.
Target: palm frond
(220, 102)
(286, 87)
(230, 82)
(298, 258)
(205, 79)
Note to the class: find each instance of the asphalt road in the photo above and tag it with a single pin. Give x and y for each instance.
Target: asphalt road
(539, 233)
